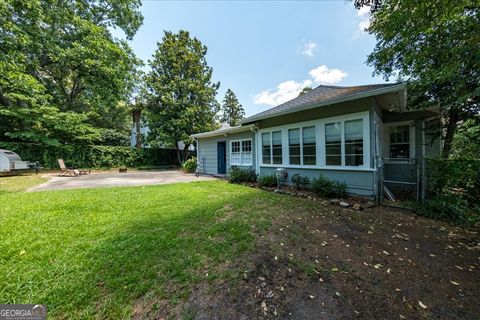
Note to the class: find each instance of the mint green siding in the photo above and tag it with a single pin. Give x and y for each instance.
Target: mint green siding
(358, 182)
(207, 150)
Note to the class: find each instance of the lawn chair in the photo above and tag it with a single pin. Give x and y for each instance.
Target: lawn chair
(64, 171)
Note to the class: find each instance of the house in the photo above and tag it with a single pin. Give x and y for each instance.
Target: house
(361, 135)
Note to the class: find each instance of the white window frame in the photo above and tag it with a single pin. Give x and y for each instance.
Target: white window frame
(386, 135)
(241, 153)
(270, 135)
(320, 143)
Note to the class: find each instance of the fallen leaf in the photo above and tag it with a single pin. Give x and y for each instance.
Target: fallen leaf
(334, 269)
(378, 265)
(455, 283)
(311, 297)
(22, 252)
(422, 305)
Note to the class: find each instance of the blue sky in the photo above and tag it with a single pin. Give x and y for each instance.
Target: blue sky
(267, 51)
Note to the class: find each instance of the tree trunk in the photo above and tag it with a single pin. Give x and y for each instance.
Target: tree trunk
(179, 156)
(451, 127)
(138, 134)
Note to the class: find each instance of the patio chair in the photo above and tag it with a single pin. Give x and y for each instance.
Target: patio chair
(64, 171)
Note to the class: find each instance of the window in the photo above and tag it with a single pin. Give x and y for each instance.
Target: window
(266, 148)
(294, 146)
(354, 142)
(277, 147)
(347, 151)
(333, 144)
(400, 142)
(241, 152)
(272, 147)
(309, 146)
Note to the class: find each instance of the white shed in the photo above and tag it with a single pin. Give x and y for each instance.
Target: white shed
(9, 161)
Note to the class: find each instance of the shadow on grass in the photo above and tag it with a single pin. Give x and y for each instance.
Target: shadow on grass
(152, 257)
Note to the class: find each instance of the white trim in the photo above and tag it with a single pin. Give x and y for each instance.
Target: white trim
(320, 142)
(241, 152)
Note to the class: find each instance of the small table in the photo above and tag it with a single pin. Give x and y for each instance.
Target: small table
(84, 171)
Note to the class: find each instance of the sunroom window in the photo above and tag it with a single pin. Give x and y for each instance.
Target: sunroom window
(309, 146)
(400, 142)
(354, 142)
(333, 144)
(294, 146)
(266, 148)
(277, 147)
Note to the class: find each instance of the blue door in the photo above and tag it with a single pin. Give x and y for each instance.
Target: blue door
(222, 157)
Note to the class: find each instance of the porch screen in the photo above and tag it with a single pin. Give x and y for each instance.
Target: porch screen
(354, 142)
(294, 146)
(333, 144)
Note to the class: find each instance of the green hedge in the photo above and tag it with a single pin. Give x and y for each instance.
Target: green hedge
(91, 156)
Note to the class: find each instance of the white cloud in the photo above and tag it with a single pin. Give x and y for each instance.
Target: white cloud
(290, 89)
(364, 23)
(324, 75)
(285, 91)
(363, 11)
(308, 48)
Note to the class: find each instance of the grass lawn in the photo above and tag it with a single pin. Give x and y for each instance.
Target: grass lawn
(20, 183)
(209, 250)
(94, 252)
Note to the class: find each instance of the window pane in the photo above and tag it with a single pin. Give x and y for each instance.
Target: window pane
(266, 148)
(247, 146)
(246, 158)
(333, 144)
(235, 146)
(354, 142)
(277, 147)
(309, 146)
(400, 142)
(294, 146)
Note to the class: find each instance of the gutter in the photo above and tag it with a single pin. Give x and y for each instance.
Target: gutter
(221, 132)
(355, 96)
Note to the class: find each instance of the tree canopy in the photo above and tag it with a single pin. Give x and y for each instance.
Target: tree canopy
(181, 93)
(435, 46)
(63, 77)
(305, 90)
(233, 111)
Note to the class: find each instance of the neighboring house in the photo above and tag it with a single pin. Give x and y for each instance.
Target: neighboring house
(139, 132)
(361, 135)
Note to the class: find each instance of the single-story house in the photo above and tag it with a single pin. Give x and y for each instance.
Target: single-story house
(361, 135)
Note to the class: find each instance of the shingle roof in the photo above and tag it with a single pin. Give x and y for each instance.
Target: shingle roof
(320, 94)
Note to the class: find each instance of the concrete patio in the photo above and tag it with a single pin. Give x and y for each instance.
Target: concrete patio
(136, 178)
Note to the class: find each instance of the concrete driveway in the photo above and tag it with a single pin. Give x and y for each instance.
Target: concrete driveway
(136, 178)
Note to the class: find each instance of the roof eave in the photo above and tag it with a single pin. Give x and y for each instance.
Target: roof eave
(355, 96)
(222, 132)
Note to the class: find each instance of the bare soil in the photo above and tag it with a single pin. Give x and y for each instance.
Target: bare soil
(329, 262)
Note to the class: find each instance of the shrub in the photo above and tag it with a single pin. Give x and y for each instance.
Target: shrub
(299, 181)
(446, 207)
(239, 175)
(92, 156)
(190, 165)
(323, 186)
(267, 181)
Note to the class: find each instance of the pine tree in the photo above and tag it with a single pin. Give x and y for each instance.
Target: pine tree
(233, 111)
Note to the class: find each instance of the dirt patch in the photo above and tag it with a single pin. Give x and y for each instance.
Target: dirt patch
(328, 262)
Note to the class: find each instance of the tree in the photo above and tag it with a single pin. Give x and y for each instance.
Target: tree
(59, 62)
(181, 94)
(233, 111)
(435, 46)
(305, 90)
